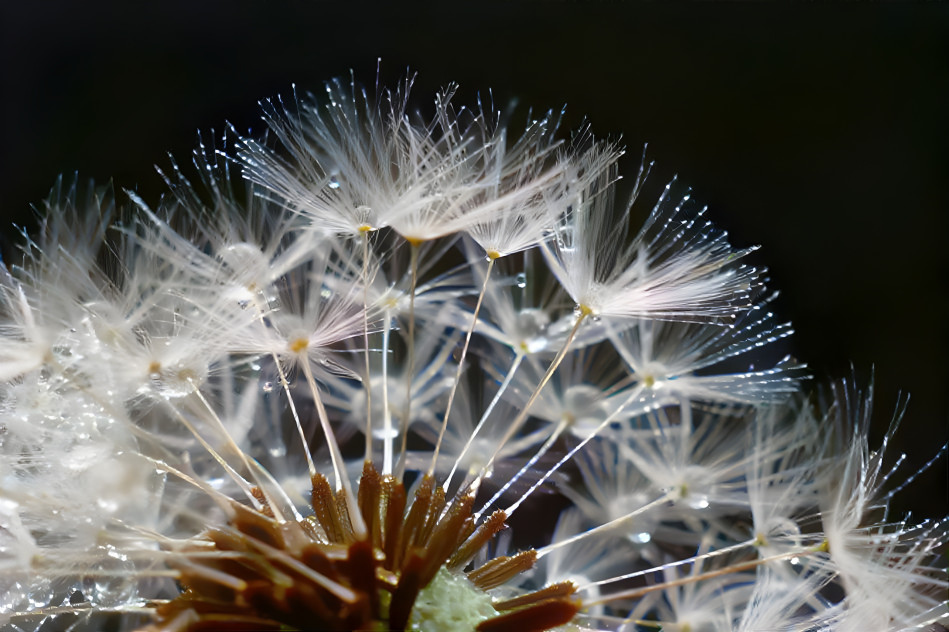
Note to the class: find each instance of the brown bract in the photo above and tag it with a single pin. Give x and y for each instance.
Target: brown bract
(260, 574)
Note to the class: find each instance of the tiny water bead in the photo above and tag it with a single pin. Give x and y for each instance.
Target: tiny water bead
(584, 409)
(530, 328)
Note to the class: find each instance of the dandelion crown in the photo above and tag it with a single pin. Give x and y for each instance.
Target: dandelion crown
(383, 371)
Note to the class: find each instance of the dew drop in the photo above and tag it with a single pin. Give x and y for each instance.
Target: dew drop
(216, 483)
(41, 596)
(700, 502)
(521, 280)
(334, 182)
(383, 434)
(267, 387)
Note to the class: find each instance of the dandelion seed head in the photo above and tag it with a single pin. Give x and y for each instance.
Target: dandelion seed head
(379, 369)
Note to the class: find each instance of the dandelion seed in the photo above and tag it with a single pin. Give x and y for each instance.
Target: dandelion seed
(678, 267)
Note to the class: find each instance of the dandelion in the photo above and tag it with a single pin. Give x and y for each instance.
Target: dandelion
(291, 395)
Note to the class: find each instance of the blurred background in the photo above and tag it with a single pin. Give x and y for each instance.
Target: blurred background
(817, 131)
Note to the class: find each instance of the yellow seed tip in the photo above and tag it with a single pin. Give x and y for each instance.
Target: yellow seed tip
(298, 344)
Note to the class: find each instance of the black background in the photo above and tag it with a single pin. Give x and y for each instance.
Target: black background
(818, 131)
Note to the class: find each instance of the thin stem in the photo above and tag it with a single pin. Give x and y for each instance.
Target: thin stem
(243, 457)
(606, 526)
(728, 570)
(543, 479)
(296, 415)
(220, 498)
(339, 465)
(508, 378)
(410, 368)
(691, 560)
(365, 341)
(133, 573)
(461, 364)
(285, 383)
(386, 413)
(563, 425)
(240, 480)
(224, 501)
(522, 417)
(145, 608)
(685, 423)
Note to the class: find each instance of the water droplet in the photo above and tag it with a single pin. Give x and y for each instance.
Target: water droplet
(699, 502)
(41, 596)
(521, 280)
(216, 483)
(334, 182)
(383, 434)
(267, 387)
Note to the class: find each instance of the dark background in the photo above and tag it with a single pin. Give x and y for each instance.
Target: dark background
(817, 131)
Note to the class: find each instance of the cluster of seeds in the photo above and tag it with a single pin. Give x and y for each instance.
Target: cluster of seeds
(383, 370)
